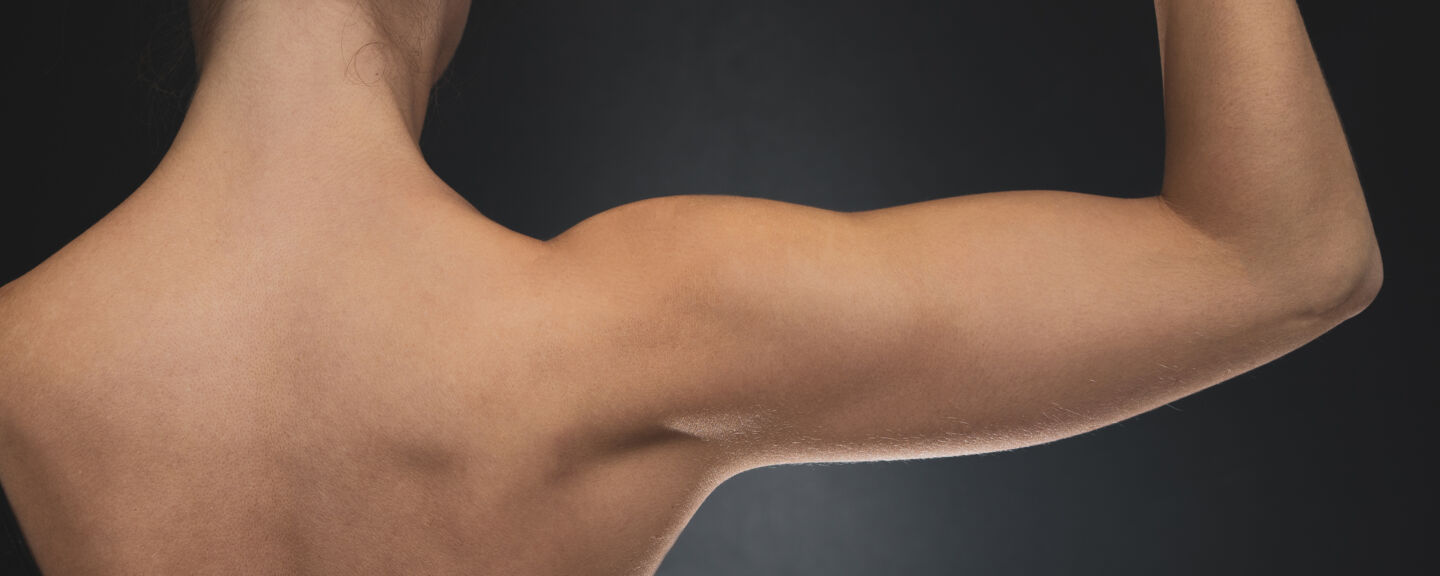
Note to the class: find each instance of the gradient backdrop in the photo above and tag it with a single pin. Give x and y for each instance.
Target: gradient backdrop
(557, 110)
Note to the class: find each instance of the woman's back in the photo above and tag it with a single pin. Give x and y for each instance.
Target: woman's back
(295, 350)
(375, 387)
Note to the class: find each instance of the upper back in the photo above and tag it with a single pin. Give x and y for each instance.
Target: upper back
(192, 395)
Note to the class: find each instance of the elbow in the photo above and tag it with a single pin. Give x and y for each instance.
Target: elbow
(1366, 288)
(1351, 287)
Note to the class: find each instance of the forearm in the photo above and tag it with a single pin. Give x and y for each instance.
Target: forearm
(1255, 156)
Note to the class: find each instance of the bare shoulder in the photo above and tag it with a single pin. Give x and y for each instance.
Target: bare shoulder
(642, 294)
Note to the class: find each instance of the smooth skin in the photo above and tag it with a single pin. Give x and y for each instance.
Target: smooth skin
(295, 350)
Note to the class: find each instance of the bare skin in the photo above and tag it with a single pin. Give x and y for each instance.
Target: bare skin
(294, 350)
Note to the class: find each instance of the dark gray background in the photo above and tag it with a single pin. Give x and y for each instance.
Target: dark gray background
(556, 110)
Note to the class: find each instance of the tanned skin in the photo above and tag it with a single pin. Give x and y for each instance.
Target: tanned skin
(295, 350)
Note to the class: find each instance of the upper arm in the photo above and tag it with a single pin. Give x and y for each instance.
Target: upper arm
(774, 332)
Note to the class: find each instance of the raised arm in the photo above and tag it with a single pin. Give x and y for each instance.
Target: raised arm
(764, 332)
(1255, 156)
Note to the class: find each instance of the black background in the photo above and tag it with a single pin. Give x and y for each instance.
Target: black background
(555, 110)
